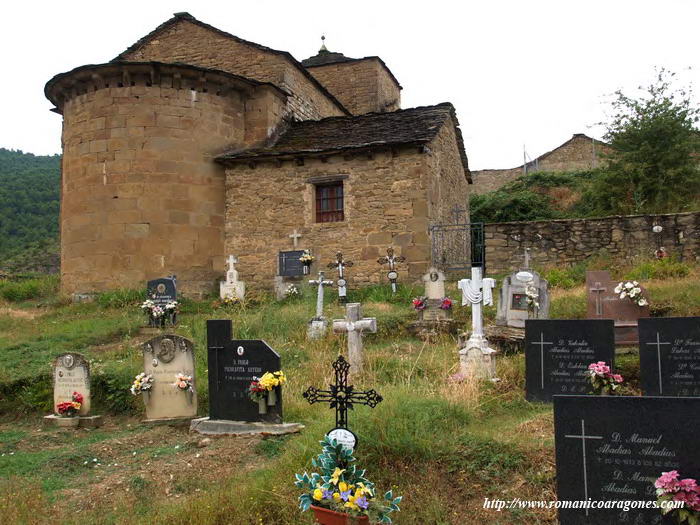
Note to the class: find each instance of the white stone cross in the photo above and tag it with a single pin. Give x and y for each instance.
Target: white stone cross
(598, 289)
(526, 257)
(583, 437)
(354, 324)
(321, 282)
(232, 274)
(658, 344)
(541, 343)
(295, 237)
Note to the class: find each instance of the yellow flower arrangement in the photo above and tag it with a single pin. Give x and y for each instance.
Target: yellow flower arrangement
(270, 380)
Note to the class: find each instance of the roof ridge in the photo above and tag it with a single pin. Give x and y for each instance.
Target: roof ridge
(350, 59)
(374, 114)
(188, 17)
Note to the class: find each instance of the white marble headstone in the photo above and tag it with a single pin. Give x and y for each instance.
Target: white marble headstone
(71, 373)
(232, 287)
(512, 302)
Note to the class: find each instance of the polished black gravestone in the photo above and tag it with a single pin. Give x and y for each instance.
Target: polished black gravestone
(669, 356)
(233, 365)
(289, 263)
(614, 448)
(162, 291)
(558, 352)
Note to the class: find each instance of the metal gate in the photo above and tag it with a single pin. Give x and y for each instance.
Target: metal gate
(458, 245)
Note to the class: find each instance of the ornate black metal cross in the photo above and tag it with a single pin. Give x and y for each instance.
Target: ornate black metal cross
(342, 396)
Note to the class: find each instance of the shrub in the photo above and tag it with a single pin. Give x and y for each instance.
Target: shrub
(26, 289)
(668, 268)
(121, 298)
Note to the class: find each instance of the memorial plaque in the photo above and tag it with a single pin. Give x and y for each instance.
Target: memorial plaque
(669, 356)
(71, 373)
(233, 365)
(519, 301)
(162, 291)
(558, 352)
(513, 309)
(611, 448)
(289, 263)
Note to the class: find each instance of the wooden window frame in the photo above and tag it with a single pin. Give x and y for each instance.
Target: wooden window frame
(329, 201)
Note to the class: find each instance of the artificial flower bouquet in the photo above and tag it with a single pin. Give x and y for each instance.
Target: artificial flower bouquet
(342, 487)
(420, 303)
(306, 258)
(262, 389)
(532, 296)
(631, 290)
(158, 314)
(142, 383)
(72, 407)
(603, 381)
(292, 291)
(183, 382)
(446, 303)
(669, 488)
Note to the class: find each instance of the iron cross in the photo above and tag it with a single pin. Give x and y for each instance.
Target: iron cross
(340, 264)
(391, 259)
(342, 396)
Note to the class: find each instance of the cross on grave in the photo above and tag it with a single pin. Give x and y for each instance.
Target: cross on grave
(526, 259)
(321, 282)
(354, 324)
(391, 260)
(458, 212)
(598, 290)
(232, 274)
(658, 344)
(583, 437)
(342, 397)
(295, 237)
(341, 264)
(541, 344)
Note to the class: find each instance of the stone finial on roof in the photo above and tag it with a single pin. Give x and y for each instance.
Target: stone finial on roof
(323, 45)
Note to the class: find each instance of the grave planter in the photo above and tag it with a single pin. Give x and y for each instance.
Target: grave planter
(146, 397)
(330, 517)
(262, 406)
(67, 422)
(272, 398)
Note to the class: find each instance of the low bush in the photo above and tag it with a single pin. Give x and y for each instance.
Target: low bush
(668, 268)
(33, 288)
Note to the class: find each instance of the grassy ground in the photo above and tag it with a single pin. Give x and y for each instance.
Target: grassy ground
(445, 447)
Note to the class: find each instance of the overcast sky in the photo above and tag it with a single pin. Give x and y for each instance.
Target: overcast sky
(519, 72)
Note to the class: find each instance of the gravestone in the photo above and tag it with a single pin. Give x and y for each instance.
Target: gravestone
(614, 448)
(318, 324)
(513, 307)
(391, 259)
(604, 303)
(162, 291)
(71, 373)
(232, 288)
(558, 352)
(340, 264)
(669, 356)
(434, 281)
(233, 365)
(289, 263)
(164, 357)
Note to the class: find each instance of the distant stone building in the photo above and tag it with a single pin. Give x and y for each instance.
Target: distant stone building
(580, 152)
(193, 144)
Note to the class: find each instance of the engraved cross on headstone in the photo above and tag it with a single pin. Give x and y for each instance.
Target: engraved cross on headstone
(541, 343)
(598, 290)
(658, 344)
(342, 396)
(341, 264)
(321, 282)
(354, 324)
(583, 437)
(295, 237)
(391, 260)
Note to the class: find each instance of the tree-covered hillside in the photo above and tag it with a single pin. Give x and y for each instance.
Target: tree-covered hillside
(29, 203)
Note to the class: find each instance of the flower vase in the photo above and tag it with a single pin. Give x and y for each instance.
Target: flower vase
(272, 398)
(330, 517)
(68, 422)
(146, 396)
(306, 269)
(190, 395)
(262, 406)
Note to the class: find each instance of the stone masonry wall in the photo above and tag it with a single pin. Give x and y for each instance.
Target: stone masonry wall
(141, 194)
(563, 242)
(362, 86)
(385, 205)
(190, 43)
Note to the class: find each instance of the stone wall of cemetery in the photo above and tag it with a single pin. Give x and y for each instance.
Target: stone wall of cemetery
(191, 42)
(141, 195)
(362, 86)
(389, 199)
(563, 242)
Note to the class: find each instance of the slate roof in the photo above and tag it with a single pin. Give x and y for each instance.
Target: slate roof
(326, 57)
(413, 126)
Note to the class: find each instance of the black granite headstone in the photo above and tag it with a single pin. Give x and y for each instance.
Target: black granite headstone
(289, 263)
(669, 356)
(233, 365)
(614, 448)
(162, 291)
(558, 352)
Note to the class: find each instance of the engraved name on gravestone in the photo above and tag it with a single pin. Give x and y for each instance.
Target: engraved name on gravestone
(669, 356)
(614, 448)
(233, 365)
(71, 373)
(558, 352)
(164, 357)
(162, 291)
(289, 263)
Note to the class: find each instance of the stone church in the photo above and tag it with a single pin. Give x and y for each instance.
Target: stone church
(193, 144)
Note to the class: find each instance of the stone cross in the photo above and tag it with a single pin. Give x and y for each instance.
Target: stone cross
(232, 287)
(597, 290)
(341, 264)
(583, 437)
(321, 282)
(526, 258)
(458, 213)
(391, 260)
(232, 274)
(295, 237)
(342, 396)
(476, 291)
(354, 324)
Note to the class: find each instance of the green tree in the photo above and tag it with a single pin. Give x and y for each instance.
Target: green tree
(654, 167)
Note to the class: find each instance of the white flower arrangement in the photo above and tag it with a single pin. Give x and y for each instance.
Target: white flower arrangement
(631, 290)
(155, 311)
(142, 383)
(183, 382)
(532, 295)
(307, 258)
(292, 291)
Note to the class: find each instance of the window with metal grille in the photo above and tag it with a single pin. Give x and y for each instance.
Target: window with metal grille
(329, 202)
